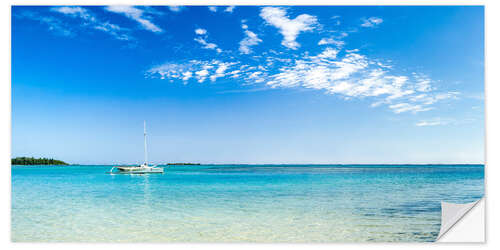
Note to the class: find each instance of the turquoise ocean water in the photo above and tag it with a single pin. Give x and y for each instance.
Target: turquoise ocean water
(238, 203)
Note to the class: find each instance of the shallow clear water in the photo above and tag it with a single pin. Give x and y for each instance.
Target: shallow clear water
(238, 203)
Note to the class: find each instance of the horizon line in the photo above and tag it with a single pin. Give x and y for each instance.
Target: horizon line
(198, 164)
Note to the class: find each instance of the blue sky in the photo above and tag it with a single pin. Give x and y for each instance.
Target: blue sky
(337, 84)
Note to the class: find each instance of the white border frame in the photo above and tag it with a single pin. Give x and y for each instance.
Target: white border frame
(492, 90)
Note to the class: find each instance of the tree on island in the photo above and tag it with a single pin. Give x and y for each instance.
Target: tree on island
(36, 161)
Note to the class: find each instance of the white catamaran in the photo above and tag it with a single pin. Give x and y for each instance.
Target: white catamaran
(143, 168)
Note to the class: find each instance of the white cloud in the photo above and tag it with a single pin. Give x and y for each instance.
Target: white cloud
(427, 123)
(200, 70)
(336, 18)
(202, 73)
(405, 107)
(175, 8)
(251, 39)
(172, 71)
(114, 30)
(135, 14)
(89, 19)
(229, 9)
(220, 71)
(72, 11)
(200, 76)
(431, 98)
(438, 121)
(207, 45)
(371, 22)
(332, 41)
(433, 122)
(202, 39)
(356, 76)
(289, 28)
(200, 31)
(187, 75)
(423, 82)
(346, 74)
(475, 96)
(328, 53)
(54, 25)
(212, 8)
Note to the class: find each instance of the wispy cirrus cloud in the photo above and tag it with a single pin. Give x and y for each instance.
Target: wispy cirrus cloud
(439, 121)
(202, 39)
(175, 8)
(53, 24)
(136, 14)
(336, 18)
(331, 41)
(335, 70)
(75, 11)
(354, 75)
(251, 39)
(434, 122)
(90, 20)
(60, 26)
(371, 22)
(408, 107)
(193, 69)
(289, 28)
(207, 45)
(334, 40)
(347, 74)
(229, 9)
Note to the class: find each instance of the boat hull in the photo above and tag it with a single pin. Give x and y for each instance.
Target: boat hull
(136, 170)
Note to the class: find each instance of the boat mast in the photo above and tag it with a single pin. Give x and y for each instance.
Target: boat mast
(145, 146)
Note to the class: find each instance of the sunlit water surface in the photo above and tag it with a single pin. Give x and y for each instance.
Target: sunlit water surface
(238, 203)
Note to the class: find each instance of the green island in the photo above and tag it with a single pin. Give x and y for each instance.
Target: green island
(36, 161)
